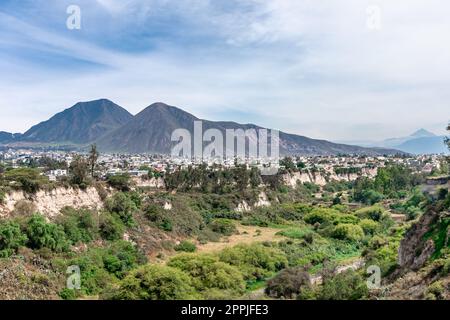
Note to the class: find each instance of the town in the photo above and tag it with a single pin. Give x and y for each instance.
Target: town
(139, 165)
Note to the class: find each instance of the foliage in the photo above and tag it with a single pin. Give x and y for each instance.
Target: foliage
(186, 246)
(289, 283)
(223, 226)
(255, 261)
(207, 272)
(348, 232)
(111, 227)
(154, 282)
(121, 205)
(79, 225)
(45, 235)
(348, 285)
(369, 226)
(79, 169)
(27, 179)
(11, 238)
(119, 182)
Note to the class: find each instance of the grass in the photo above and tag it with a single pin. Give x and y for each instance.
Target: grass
(295, 232)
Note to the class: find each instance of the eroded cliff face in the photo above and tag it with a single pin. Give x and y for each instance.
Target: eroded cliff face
(415, 249)
(321, 179)
(50, 203)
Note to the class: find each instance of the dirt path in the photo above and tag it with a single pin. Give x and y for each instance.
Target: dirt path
(247, 235)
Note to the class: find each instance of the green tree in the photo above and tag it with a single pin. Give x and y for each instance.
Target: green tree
(122, 206)
(93, 157)
(207, 272)
(348, 285)
(155, 282)
(11, 238)
(79, 171)
(45, 235)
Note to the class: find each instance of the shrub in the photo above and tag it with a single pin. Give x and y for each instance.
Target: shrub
(255, 261)
(11, 238)
(110, 227)
(27, 179)
(223, 226)
(45, 235)
(348, 285)
(79, 225)
(154, 282)
(120, 182)
(209, 273)
(186, 246)
(435, 291)
(289, 283)
(321, 215)
(375, 213)
(123, 206)
(369, 226)
(348, 232)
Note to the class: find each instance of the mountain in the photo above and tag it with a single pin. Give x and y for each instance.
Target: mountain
(420, 142)
(150, 132)
(7, 137)
(82, 123)
(422, 133)
(425, 145)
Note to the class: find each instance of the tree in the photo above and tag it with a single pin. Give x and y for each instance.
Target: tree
(11, 238)
(348, 285)
(289, 283)
(93, 157)
(45, 235)
(79, 171)
(155, 282)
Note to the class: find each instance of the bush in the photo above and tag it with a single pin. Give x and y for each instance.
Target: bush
(348, 285)
(289, 283)
(11, 238)
(369, 226)
(321, 215)
(255, 261)
(154, 282)
(223, 226)
(120, 182)
(79, 225)
(375, 213)
(186, 246)
(110, 227)
(348, 232)
(45, 235)
(123, 206)
(209, 273)
(27, 179)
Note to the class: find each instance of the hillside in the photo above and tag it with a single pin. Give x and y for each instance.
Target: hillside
(82, 123)
(150, 132)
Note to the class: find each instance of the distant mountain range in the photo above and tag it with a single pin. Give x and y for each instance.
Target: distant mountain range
(114, 129)
(419, 142)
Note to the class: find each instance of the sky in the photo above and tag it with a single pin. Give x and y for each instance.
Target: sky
(338, 70)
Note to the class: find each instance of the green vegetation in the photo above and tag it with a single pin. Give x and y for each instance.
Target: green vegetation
(186, 246)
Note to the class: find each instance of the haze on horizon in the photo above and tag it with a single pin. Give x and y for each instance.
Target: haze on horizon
(319, 69)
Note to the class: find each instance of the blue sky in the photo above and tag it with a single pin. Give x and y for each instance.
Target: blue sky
(308, 67)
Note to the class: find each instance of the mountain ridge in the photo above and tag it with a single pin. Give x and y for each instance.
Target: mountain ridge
(114, 129)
